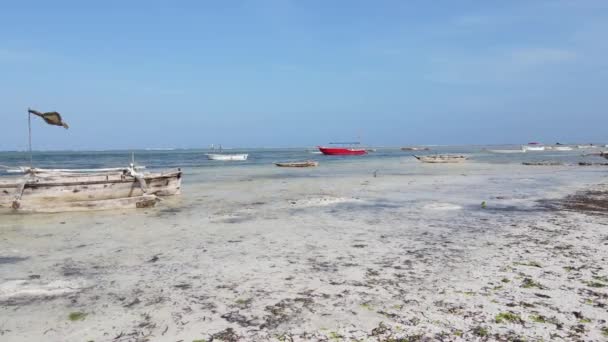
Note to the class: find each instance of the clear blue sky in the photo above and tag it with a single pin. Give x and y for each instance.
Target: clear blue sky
(128, 74)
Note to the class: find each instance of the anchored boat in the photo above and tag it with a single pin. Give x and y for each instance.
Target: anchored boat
(226, 156)
(44, 190)
(59, 190)
(442, 158)
(308, 163)
(343, 151)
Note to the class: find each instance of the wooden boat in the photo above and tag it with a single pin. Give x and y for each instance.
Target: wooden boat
(442, 158)
(307, 163)
(43, 190)
(226, 156)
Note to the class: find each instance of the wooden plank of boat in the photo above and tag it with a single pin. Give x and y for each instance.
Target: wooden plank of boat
(308, 163)
(90, 187)
(25, 169)
(441, 158)
(144, 201)
(227, 157)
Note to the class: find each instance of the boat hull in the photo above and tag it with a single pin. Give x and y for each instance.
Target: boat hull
(534, 148)
(227, 157)
(441, 159)
(57, 189)
(309, 163)
(332, 151)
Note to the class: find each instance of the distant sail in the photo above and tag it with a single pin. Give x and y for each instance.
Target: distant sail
(51, 118)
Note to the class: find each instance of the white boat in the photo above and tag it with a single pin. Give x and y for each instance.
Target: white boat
(587, 146)
(226, 156)
(562, 148)
(534, 148)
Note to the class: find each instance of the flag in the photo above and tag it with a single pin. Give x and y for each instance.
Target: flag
(51, 118)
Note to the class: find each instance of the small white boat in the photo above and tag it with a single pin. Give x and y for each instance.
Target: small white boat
(562, 148)
(226, 156)
(441, 158)
(587, 146)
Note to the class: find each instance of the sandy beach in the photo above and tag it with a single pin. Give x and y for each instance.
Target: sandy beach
(357, 251)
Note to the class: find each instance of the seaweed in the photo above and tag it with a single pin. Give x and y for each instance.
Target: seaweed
(508, 316)
(77, 316)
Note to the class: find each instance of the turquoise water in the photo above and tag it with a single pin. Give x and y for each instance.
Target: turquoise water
(195, 158)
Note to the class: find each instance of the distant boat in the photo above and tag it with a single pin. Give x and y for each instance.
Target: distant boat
(587, 146)
(343, 151)
(562, 148)
(307, 163)
(336, 151)
(442, 158)
(226, 156)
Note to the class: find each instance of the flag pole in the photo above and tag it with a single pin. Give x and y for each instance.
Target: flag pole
(29, 127)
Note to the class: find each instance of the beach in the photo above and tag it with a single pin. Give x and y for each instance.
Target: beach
(363, 250)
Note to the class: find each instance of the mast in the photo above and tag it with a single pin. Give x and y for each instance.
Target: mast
(29, 127)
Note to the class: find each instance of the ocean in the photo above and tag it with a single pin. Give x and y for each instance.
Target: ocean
(196, 159)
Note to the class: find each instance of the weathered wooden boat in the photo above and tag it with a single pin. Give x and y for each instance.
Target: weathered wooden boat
(226, 156)
(442, 158)
(307, 163)
(42, 190)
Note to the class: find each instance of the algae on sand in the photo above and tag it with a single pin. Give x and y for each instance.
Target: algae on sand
(77, 316)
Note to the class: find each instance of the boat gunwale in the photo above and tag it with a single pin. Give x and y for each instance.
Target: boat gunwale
(128, 179)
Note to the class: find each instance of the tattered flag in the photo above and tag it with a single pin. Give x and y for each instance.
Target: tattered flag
(51, 118)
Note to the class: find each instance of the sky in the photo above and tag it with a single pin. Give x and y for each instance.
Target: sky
(287, 73)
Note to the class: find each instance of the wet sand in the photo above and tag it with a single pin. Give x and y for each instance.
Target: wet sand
(387, 251)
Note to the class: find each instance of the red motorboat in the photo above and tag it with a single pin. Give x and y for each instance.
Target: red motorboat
(341, 151)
